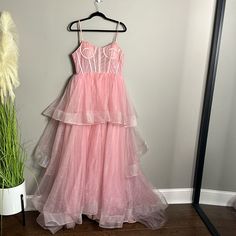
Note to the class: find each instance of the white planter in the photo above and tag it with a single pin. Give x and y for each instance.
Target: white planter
(10, 199)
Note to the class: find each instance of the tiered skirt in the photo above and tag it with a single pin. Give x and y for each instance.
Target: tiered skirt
(90, 151)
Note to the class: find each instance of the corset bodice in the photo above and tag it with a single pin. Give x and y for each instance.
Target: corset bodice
(90, 58)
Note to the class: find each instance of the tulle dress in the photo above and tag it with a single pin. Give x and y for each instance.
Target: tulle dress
(91, 149)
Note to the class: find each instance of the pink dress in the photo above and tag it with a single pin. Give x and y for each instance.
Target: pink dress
(91, 150)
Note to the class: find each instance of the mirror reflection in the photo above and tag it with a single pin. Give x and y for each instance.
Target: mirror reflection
(218, 193)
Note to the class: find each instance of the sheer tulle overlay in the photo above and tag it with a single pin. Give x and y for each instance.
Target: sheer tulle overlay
(92, 98)
(91, 150)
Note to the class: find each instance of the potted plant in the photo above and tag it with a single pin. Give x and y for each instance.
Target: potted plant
(12, 155)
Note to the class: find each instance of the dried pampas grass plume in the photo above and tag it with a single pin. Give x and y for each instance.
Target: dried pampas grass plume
(8, 57)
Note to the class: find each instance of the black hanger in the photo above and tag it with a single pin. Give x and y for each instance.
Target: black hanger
(97, 13)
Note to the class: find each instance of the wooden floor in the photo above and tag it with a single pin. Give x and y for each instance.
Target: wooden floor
(182, 221)
(222, 217)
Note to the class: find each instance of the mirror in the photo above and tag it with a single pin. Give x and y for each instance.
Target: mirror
(217, 196)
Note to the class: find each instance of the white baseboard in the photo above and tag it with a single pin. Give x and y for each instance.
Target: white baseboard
(177, 195)
(29, 205)
(218, 198)
(182, 196)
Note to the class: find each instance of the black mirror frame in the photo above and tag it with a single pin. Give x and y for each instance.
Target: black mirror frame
(206, 111)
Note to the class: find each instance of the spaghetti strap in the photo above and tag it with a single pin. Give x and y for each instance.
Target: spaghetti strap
(80, 35)
(115, 39)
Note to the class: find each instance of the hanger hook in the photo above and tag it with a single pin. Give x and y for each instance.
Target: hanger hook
(96, 2)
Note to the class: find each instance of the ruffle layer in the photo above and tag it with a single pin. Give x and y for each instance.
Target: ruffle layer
(94, 170)
(53, 131)
(93, 98)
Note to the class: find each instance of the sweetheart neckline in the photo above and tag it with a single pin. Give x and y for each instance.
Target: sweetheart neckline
(95, 46)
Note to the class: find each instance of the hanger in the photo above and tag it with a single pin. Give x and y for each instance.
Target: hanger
(100, 14)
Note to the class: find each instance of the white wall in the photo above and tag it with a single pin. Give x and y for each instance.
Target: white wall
(166, 52)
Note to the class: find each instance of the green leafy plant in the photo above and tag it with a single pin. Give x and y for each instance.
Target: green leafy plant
(12, 154)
